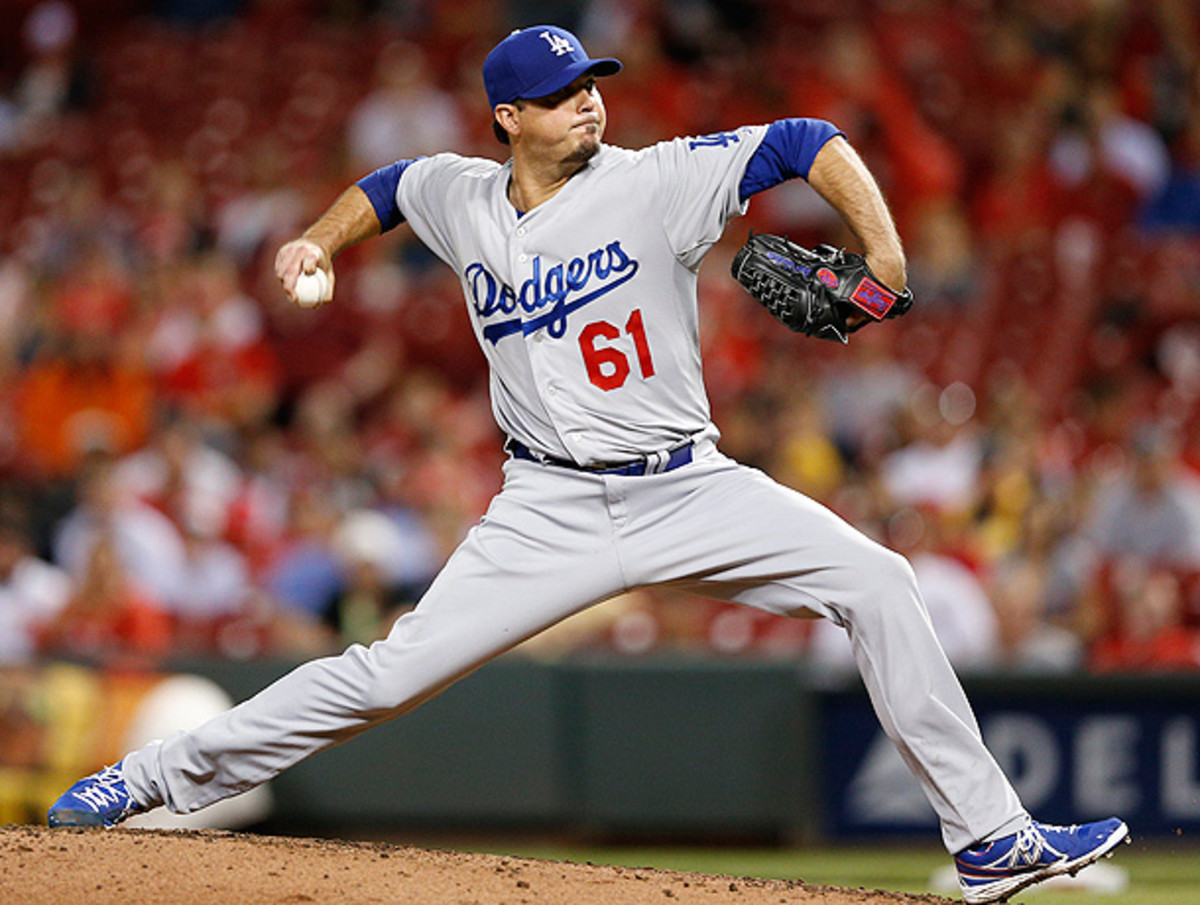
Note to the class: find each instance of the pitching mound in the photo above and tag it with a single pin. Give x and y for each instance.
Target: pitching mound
(149, 867)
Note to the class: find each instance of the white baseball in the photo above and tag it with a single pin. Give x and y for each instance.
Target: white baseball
(312, 288)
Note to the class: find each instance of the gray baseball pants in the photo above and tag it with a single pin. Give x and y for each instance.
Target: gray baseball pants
(556, 541)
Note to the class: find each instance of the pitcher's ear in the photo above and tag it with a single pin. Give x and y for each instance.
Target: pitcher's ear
(505, 123)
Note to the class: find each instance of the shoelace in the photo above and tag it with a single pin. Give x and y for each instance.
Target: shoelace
(1027, 847)
(1031, 844)
(102, 791)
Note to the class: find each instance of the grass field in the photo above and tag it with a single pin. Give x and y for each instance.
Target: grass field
(1156, 876)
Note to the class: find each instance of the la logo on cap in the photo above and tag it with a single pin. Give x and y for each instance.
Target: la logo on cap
(558, 44)
(522, 66)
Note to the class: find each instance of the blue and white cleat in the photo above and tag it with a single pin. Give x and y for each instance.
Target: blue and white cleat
(997, 870)
(97, 800)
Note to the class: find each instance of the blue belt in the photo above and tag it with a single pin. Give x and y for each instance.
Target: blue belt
(655, 463)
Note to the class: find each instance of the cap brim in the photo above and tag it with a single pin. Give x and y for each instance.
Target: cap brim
(568, 74)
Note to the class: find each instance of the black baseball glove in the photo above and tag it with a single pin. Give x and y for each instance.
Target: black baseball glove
(816, 291)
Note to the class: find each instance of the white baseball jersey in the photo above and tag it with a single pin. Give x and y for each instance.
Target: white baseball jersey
(586, 310)
(586, 306)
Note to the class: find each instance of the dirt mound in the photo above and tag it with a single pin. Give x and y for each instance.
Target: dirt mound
(148, 867)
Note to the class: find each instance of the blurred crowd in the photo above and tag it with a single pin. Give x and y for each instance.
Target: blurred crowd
(189, 465)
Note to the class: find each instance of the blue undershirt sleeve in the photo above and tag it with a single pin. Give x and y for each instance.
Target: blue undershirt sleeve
(786, 152)
(380, 188)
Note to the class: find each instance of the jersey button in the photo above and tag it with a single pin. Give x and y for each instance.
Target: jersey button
(551, 390)
(521, 230)
(523, 258)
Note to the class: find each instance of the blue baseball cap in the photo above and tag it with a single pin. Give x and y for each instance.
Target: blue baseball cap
(534, 62)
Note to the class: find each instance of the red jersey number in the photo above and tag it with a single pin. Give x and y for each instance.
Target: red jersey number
(607, 366)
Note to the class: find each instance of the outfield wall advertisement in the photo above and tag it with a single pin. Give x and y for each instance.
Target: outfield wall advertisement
(1077, 753)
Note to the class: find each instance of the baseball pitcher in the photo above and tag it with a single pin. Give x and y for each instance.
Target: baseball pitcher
(578, 262)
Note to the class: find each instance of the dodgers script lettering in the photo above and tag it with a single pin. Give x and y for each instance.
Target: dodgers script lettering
(550, 294)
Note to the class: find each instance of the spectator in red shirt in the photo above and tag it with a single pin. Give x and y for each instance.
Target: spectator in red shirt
(1149, 633)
